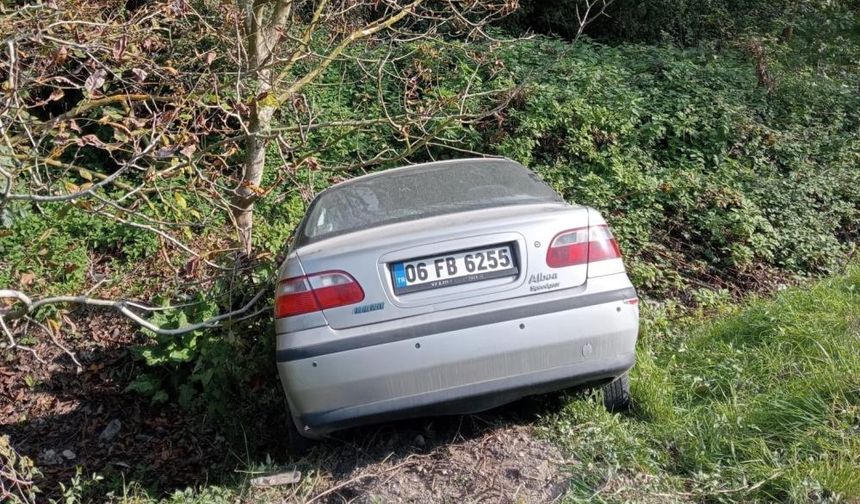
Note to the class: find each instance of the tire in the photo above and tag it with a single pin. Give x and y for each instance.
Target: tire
(616, 394)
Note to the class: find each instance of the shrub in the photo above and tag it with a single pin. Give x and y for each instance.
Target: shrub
(705, 176)
(683, 22)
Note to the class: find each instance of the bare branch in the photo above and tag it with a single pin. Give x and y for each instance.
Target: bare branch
(84, 192)
(123, 307)
(162, 139)
(328, 59)
(13, 343)
(57, 343)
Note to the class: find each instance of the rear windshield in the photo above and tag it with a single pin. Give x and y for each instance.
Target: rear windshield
(419, 192)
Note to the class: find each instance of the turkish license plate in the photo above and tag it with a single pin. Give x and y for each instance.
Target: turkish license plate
(455, 268)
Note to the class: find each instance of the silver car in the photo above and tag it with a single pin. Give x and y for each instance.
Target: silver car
(448, 288)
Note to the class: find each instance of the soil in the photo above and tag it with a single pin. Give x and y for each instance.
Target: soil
(502, 464)
(62, 419)
(50, 407)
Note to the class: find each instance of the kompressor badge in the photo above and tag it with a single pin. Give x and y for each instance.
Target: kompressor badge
(368, 308)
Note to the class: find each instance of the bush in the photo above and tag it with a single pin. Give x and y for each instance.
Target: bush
(705, 177)
(682, 22)
(50, 248)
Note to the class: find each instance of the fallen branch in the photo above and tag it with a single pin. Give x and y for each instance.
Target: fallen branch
(123, 307)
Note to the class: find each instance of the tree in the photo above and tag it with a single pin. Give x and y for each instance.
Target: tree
(267, 26)
(157, 122)
(160, 118)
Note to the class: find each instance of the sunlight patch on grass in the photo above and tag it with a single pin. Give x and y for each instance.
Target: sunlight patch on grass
(758, 404)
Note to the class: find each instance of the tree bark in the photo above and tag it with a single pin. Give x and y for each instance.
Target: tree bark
(261, 40)
(252, 173)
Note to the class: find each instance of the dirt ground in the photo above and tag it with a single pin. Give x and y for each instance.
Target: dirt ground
(463, 459)
(62, 419)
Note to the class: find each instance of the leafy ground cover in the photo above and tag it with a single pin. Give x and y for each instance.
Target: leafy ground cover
(707, 178)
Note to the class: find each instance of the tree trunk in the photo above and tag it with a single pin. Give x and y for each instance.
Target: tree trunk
(252, 173)
(260, 43)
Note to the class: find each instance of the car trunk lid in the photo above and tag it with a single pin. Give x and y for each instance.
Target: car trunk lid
(380, 258)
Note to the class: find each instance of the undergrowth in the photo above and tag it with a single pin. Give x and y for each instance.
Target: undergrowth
(759, 404)
(706, 178)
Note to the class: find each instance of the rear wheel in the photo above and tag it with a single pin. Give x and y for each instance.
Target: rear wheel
(616, 394)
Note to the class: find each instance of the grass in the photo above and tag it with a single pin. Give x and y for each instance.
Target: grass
(760, 403)
(753, 403)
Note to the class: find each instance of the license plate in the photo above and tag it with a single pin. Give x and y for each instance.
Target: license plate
(453, 269)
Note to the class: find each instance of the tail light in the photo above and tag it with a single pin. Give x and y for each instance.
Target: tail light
(320, 291)
(581, 246)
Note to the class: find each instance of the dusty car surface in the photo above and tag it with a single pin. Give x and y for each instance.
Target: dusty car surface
(447, 288)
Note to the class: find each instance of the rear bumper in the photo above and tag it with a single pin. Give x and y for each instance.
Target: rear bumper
(469, 398)
(461, 363)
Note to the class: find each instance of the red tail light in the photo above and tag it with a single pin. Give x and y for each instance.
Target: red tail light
(294, 297)
(581, 246)
(320, 291)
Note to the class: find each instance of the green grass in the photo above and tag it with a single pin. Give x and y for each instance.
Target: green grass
(756, 402)
(760, 403)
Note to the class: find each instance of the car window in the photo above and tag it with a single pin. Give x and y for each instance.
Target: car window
(419, 192)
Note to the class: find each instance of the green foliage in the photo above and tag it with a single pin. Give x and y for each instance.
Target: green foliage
(687, 22)
(52, 247)
(207, 495)
(682, 22)
(704, 177)
(78, 486)
(202, 368)
(707, 178)
(18, 474)
(279, 219)
(761, 404)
